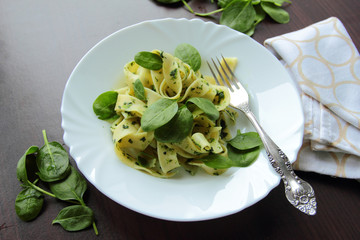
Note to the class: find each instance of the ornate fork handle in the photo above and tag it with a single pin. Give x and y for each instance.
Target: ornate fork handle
(298, 192)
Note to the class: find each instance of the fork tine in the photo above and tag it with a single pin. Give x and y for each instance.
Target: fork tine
(234, 78)
(227, 79)
(224, 81)
(213, 73)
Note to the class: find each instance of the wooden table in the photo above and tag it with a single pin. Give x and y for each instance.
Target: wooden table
(41, 41)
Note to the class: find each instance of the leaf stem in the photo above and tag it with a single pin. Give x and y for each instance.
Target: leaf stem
(208, 13)
(188, 6)
(201, 14)
(93, 223)
(95, 228)
(45, 137)
(48, 147)
(41, 190)
(81, 201)
(51, 194)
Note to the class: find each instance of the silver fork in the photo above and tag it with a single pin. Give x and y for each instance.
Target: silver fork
(298, 192)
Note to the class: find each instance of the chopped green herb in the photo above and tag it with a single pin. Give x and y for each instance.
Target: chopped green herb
(173, 73)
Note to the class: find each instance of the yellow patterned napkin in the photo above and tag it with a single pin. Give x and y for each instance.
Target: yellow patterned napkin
(325, 63)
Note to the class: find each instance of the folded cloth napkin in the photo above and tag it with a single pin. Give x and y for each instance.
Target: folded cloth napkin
(324, 62)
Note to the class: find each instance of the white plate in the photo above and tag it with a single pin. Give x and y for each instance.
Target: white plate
(274, 99)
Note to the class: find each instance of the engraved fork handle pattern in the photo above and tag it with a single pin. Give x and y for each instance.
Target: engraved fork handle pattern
(298, 192)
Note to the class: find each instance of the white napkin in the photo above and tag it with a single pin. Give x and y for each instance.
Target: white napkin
(325, 63)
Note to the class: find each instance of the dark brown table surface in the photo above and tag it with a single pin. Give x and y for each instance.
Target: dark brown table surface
(41, 41)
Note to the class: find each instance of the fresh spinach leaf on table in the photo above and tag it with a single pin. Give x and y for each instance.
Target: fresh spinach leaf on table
(239, 14)
(275, 12)
(224, 3)
(52, 161)
(260, 15)
(168, 1)
(278, 3)
(29, 203)
(75, 218)
(71, 188)
(24, 163)
(51, 164)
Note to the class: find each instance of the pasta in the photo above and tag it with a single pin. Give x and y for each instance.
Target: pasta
(177, 81)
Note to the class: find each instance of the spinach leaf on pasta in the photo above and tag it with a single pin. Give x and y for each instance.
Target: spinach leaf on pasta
(104, 105)
(139, 90)
(206, 106)
(188, 54)
(148, 60)
(177, 129)
(158, 114)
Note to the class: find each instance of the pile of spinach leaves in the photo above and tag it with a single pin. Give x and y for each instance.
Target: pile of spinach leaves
(243, 15)
(172, 122)
(50, 166)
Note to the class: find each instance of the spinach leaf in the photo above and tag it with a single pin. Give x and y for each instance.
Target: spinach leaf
(260, 16)
(244, 141)
(71, 188)
(168, 1)
(28, 204)
(224, 3)
(52, 161)
(251, 30)
(239, 15)
(146, 160)
(139, 90)
(189, 55)
(49, 163)
(277, 2)
(104, 105)
(244, 148)
(158, 114)
(276, 13)
(236, 14)
(217, 161)
(49, 178)
(75, 218)
(243, 158)
(21, 171)
(178, 128)
(149, 60)
(206, 106)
